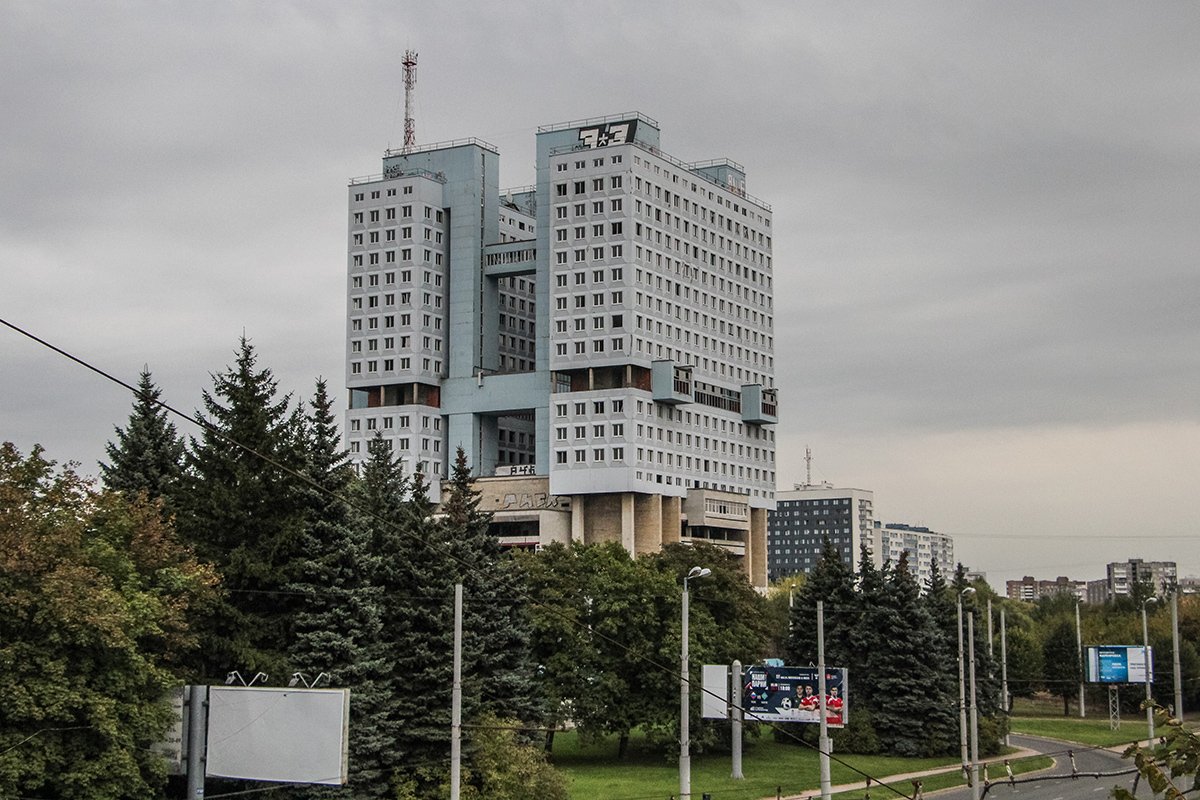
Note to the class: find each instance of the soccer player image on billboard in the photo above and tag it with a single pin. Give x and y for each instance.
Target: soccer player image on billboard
(790, 694)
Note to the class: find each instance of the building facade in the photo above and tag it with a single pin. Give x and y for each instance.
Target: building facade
(808, 515)
(1031, 589)
(924, 546)
(600, 344)
(1122, 579)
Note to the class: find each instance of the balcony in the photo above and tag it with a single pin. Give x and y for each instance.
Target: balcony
(670, 383)
(759, 406)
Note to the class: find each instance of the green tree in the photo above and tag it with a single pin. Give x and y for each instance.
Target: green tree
(831, 582)
(504, 768)
(1060, 658)
(96, 594)
(1025, 663)
(497, 665)
(1171, 765)
(242, 511)
(148, 454)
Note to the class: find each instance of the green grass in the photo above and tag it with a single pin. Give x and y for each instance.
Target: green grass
(646, 774)
(1093, 731)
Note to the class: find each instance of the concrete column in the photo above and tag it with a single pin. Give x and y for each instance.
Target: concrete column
(672, 515)
(628, 538)
(577, 519)
(648, 523)
(756, 547)
(462, 430)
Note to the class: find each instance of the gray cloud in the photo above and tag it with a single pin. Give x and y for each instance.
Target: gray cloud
(985, 215)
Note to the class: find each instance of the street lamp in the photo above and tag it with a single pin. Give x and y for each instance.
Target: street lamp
(1146, 664)
(685, 758)
(974, 709)
(962, 683)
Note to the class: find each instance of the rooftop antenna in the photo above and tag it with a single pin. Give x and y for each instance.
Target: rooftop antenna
(410, 83)
(808, 466)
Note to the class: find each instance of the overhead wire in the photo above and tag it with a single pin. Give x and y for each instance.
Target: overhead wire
(463, 563)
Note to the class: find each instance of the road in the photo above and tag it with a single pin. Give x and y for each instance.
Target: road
(1062, 787)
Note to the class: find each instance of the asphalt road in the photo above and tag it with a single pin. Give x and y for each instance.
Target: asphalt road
(1057, 783)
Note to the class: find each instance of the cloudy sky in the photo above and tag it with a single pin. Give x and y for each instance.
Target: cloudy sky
(987, 216)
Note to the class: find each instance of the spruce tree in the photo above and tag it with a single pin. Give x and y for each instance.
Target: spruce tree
(337, 620)
(496, 652)
(243, 513)
(148, 454)
(832, 582)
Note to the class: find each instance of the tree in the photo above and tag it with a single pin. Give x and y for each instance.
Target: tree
(504, 768)
(1171, 765)
(148, 454)
(96, 595)
(1025, 663)
(1060, 658)
(831, 582)
(241, 510)
(497, 665)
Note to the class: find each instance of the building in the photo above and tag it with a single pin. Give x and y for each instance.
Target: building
(1031, 589)
(600, 344)
(804, 517)
(924, 546)
(1122, 578)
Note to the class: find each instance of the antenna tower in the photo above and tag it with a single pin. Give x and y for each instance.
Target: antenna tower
(410, 83)
(808, 466)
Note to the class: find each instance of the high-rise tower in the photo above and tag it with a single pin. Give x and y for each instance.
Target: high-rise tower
(601, 344)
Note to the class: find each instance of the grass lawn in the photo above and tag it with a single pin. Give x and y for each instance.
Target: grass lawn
(595, 774)
(1093, 730)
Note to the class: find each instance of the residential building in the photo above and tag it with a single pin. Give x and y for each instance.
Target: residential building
(924, 546)
(1031, 589)
(1122, 578)
(600, 344)
(808, 515)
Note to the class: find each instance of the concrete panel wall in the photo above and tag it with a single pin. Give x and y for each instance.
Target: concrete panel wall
(602, 520)
(756, 548)
(672, 515)
(648, 522)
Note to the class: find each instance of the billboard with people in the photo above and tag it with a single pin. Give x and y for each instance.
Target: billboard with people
(790, 694)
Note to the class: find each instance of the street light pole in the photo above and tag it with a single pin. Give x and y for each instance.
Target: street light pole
(1146, 663)
(1079, 648)
(974, 710)
(1175, 651)
(685, 758)
(962, 683)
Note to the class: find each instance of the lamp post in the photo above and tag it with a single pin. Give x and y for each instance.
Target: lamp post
(962, 683)
(1079, 648)
(685, 758)
(1146, 663)
(1175, 652)
(974, 709)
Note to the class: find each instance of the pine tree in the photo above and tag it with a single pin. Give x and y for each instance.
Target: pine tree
(148, 454)
(244, 514)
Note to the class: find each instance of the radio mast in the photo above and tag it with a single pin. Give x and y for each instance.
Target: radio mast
(410, 83)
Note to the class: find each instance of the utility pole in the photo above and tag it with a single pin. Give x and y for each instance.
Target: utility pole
(456, 699)
(735, 693)
(197, 744)
(824, 745)
(1175, 651)
(1004, 667)
(1079, 647)
(974, 710)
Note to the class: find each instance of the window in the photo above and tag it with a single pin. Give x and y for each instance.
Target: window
(580, 187)
(560, 190)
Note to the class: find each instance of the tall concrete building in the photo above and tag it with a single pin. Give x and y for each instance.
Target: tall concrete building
(600, 344)
(811, 513)
(1123, 577)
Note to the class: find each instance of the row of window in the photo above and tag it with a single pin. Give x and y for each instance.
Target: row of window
(581, 187)
(433, 365)
(389, 257)
(391, 192)
(389, 322)
(582, 163)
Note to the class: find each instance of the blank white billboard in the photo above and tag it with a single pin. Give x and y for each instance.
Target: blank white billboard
(288, 735)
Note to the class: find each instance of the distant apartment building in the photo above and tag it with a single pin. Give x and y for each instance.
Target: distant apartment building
(1122, 576)
(808, 515)
(1031, 589)
(924, 546)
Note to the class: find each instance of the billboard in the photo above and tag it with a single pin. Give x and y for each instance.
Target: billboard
(1116, 663)
(268, 734)
(789, 694)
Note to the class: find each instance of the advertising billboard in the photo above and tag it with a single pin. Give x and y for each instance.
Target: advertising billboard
(789, 694)
(268, 734)
(1116, 663)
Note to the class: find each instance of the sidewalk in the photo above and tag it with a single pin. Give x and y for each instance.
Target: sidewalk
(1022, 752)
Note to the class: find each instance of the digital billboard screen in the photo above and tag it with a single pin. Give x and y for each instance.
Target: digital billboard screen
(1114, 663)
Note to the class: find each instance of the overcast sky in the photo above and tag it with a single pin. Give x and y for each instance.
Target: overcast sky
(987, 222)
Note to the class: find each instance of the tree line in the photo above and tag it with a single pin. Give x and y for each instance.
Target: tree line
(256, 546)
